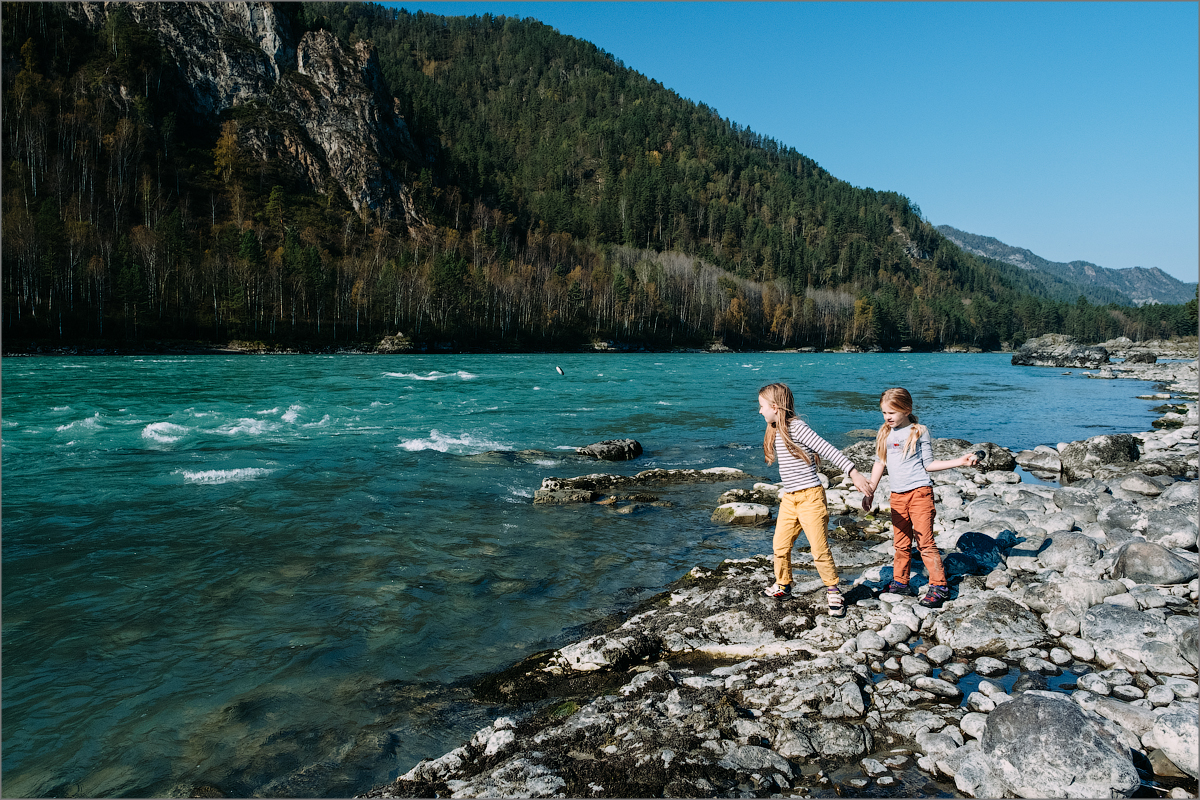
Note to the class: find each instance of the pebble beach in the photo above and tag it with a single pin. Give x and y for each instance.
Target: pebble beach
(1064, 663)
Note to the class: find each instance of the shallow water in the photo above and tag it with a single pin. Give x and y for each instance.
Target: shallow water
(260, 573)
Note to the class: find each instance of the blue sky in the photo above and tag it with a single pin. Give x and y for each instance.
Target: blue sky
(1068, 128)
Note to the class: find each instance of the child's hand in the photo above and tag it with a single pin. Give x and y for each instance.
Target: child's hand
(969, 460)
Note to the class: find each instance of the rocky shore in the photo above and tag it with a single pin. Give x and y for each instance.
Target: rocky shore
(1064, 664)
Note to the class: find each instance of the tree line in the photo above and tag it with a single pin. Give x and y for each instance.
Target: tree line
(568, 199)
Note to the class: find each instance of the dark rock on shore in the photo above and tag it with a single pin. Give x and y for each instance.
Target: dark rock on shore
(1058, 350)
(612, 450)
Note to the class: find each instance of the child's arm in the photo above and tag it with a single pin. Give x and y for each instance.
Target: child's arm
(962, 461)
(876, 474)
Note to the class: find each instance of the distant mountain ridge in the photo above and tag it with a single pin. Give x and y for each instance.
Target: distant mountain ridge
(1139, 285)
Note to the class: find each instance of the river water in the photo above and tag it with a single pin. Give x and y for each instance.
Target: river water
(266, 574)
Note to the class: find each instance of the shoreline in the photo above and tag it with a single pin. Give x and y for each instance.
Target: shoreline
(1184, 349)
(709, 689)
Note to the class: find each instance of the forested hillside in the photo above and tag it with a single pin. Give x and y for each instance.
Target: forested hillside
(554, 198)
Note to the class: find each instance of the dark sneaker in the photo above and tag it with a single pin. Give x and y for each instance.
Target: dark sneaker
(896, 587)
(837, 604)
(780, 591)
(935, 596)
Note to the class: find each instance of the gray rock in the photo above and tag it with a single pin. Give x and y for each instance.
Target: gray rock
(741, 514)
(1148, 562)
(870, 640)
(1175, 733)
(751, 758)
(1060, 618)
(914, 665)
(1077, 596)
(990, 666)
(1135, 719)
(1041, 745)
(1059, 350)
(937, 686)
(939, 654)
(1066, 549)
(1082, 459)
(1039, 460)
(895, 632)
(1139, 483)
(1162, 658)
(1172, 527)
(612, 450)
(995, 625)
(557, 497)
(1121, 628)
(1182, 492)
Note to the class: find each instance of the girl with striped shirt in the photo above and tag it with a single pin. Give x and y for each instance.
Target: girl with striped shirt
(802, 504)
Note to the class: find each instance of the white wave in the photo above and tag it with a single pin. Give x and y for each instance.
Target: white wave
(224, 475)
(292, 413)
(254, 427)
(165, 432)
(324, 421)
(662, 403)
(61, 408)
(270, 410)
(380, 404)
(91, 423)
(545, 462)
(432, 376)
(566, 447)
(466, 443)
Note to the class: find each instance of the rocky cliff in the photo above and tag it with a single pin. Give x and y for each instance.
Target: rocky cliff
(309, 104)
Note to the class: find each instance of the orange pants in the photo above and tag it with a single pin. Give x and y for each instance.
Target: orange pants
(805, 510)
(913, 511)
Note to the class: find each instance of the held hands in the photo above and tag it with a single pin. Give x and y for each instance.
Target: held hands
(860, 482)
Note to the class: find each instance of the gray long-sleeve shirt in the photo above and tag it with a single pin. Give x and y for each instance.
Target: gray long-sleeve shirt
(908, 472)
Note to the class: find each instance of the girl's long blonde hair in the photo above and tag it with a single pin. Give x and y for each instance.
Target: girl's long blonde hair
(780, 396)
(902, 401)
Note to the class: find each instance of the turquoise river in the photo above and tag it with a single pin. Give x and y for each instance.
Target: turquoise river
(273, 575)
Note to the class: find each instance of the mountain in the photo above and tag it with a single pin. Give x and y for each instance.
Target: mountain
(1132, 285)
(311, 175)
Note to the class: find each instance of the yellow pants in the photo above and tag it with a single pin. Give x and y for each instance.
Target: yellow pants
(803, 510)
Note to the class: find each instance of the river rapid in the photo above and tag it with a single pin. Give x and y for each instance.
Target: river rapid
(269, 575)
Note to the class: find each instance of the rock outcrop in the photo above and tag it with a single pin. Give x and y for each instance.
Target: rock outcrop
(305, 103)
(1059, 350)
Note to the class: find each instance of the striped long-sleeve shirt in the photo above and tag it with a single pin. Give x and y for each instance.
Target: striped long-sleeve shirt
(794, 473)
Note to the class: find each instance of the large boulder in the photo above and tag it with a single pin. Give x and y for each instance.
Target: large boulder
(1082, 459)
(1121, 628)
(612, 450)
(1076, 595)
(1066, 549)
(1147, 562)
(1058, 350)
(1174, 526)
(995, 625)
(1043, 745)
(1175, 733)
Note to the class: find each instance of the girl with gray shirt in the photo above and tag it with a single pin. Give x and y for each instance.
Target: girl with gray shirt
(903, 448)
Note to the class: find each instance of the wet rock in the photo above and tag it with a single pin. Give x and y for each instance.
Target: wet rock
(612, 450)
(1040, 461)
(559, 497)
(1149, 562)
(1046, 746)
